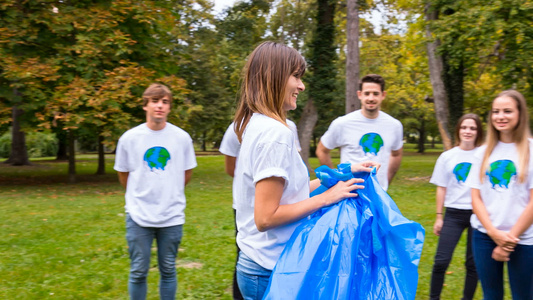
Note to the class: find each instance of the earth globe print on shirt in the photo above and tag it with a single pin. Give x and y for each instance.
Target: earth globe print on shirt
(371, 143)
(157, 157)
(461, 171)
(500, 173)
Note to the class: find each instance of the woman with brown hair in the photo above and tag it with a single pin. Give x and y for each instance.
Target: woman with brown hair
(450, 173)
(271, 185)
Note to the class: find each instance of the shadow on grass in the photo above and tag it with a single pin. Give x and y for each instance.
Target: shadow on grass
(53, 171)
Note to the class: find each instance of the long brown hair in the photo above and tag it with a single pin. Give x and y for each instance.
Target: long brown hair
(265, 77)
(479, 130)
(521, 135)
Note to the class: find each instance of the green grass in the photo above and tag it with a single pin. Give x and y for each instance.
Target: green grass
(67, 241)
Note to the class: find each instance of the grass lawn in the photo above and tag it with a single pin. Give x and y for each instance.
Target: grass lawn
(67, 241)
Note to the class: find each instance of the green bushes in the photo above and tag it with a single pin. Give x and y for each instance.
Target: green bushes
(39, 144)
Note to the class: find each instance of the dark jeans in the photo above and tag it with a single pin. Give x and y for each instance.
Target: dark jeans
(455, 222)
(519, 267)
(236, 291)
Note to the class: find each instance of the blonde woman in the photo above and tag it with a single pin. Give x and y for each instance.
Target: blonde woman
(501, 200)
(271, 184)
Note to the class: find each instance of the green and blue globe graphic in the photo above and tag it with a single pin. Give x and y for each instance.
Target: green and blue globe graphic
(500, 173)
(371, 143)
(461, 171)
(157, 158)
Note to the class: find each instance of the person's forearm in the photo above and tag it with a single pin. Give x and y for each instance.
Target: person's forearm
(440, 196)
(123, 178)
(188, 176)
(323, 155)
(394, 164)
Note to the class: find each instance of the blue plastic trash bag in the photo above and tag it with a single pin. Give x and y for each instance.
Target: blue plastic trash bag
(359, 248)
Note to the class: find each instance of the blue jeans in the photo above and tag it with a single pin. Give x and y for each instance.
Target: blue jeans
(490, 272)
(140, 243)
(252, 278)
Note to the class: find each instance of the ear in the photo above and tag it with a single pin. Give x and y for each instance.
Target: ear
(359, 94)
(384, 94)
(144, 108)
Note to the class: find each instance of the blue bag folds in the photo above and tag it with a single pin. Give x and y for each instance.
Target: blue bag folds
(359, 248)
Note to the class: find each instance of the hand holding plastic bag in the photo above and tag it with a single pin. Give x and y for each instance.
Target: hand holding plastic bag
(359, 248)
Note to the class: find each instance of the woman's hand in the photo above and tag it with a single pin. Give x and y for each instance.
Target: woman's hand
(503, 239)
(365, 166)
(437, 227)
(341, 190)
(500, 254)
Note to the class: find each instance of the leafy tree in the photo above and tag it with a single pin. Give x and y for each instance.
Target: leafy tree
(88, 59)
(322, 85)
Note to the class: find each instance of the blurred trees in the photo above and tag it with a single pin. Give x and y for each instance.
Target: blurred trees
(67, 66)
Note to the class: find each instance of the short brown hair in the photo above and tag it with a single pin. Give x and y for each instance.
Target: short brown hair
(372, 78)
(479, 130)
(156, 91)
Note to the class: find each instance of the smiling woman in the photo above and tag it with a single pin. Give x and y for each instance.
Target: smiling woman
(271, 186)
(501, 199)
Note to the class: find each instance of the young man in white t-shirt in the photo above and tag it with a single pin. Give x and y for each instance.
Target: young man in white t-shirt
(154, 162)
(366, 134)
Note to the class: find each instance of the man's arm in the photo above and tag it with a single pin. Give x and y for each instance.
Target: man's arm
(188, 176)
(229, 164)
(394, 163)
(123, 178)
(323, 155)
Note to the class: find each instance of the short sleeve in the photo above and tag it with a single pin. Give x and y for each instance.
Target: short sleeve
(189, 158)
(272, 159)
(398, 137)
(121, 157)
(330, 137)
(439, 176)
(230, 145)
(473, 180)
(294, 130)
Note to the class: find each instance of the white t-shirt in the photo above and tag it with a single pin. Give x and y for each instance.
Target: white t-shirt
(230, 145)
(268, 150)
(361, 139)
(504, 197)
(451, 171)
(156, 161)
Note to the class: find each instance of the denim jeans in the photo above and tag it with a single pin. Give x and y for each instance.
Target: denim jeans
(455, 222)
(140, 245)
(252, 278)
(490, 272)
(236, 291)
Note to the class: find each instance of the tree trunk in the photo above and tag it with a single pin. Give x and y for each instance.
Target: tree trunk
(62, 142)
(101, 156)
(435, 74)
(305, 129)
(71, 157)
(204, 136)
(422, 137)
(454, 84)
(19, 152)
(352, 56)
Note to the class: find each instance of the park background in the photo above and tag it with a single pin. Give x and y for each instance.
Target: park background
(71, 76)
